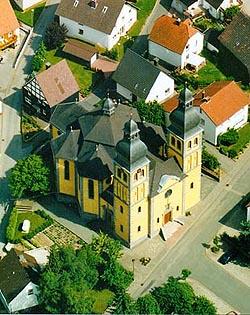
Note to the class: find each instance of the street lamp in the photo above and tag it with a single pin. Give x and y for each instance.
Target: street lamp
(133, 262)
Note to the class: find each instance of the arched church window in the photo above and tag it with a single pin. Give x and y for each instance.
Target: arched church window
(66, 170)
(168, 193)
(178, 145)
(173, 141)
(189, 144)
(196, 141)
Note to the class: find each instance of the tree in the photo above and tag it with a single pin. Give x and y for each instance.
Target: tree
(151, 112)
(29, 176)
(39, 57)
(209, 161)
(147, 304)
(55, 35)
(202, 306)
(124, 304)
(231, 12)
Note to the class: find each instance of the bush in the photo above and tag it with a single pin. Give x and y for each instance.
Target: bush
(112, 54)
(229, 13)
(55, 35)
(222, 150)
(151, 112)
(39, 57)
(228, 138)
(232, 153)
(209, 161)
(215, 249)
(11, 228)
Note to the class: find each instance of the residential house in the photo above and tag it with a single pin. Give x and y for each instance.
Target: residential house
(235, 47)
(52, 86)
(136, 78)
(17, 291)
(100, 22)
(221, 106)
(193, 8)
(27, 4)
(176, 42)
(9, 26)
(126, 173)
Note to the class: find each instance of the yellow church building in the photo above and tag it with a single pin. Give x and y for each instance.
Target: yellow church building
(131, 174)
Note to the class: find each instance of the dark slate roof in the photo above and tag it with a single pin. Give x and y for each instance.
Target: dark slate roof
(95, 161)
(67, 115)
(158, 168)
(13, 277)
(136, 74)
(153, 136)
(107, 130)
(215, 3)
(108, 195)
(67, 146)
(188, 2)
(236, 38)
(211, 36)
(95, 18)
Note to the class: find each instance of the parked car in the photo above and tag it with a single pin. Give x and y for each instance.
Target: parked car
(227, 256)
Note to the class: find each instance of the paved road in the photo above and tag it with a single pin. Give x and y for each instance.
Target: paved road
(189, 252)
(12, 147)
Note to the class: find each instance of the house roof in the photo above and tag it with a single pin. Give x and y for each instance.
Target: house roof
(236, 38)
(188, 2)
(222, 100)
(67, 145)
(79, 49)
(170, 104)
(67, 115)
(13, 278)
(57, 83)
(136, 74)
(8, 20)
(215, 3)
(172, 34)
(99, 18)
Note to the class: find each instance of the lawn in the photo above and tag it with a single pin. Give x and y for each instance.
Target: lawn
(145, 7)
(85, 77)
(102, 300)
(35, 221)
(30, 16)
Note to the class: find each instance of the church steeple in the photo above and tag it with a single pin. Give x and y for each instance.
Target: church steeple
(108, 106)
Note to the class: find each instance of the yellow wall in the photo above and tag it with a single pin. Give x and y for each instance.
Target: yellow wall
(66, 186)
(139, 219)
(192, 195)
(90, 205)
(54, 132)
(121, 219)
(160, 203)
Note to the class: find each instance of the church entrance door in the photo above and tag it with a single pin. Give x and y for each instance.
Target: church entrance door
(167, 217)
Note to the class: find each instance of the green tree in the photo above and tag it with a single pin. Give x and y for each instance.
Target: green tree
(124, 304)
(202, 306)
(55, 35)
(229, 13)
(174, 296)
(185, 273)
(147, 304)
(29, 176)
(209, 161)
(151, 112)
(39, 57)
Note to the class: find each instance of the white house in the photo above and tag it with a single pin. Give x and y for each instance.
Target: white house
(27, 4)
(17, 291)
(99, 22)
(221, 106)
(193, 7)
(137, 78)
(176, 42)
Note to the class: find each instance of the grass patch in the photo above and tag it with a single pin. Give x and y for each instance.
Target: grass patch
(35, 222)
(85, 77)
(30, 16)
(102, 300)
(145, 8)
(29, 126)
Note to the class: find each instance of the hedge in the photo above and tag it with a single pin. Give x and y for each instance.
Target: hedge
(11, 228)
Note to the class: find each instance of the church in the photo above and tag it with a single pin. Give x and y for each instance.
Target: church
(133, 175)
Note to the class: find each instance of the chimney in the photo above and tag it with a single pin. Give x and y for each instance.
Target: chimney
(178, 21)
(156, 61)
(47, 65)
(203, 95)
(93, 4)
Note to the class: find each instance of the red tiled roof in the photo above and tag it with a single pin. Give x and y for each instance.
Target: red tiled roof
(170, 33)
(171, 104)
(57, 83)
(8, 20)
(222, 100)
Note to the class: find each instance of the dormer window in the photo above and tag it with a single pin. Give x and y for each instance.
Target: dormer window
(104, 10)
(76, 2)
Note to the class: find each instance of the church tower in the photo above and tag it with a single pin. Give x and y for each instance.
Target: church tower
(131, 187)
(185, 143)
